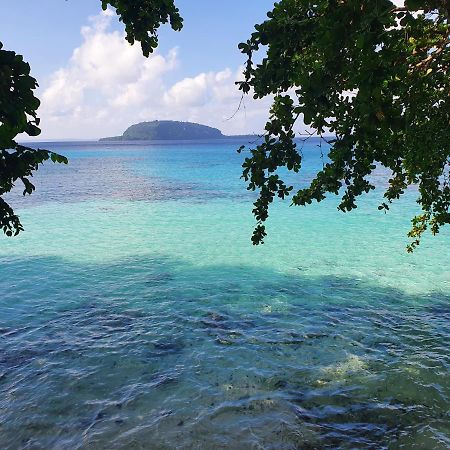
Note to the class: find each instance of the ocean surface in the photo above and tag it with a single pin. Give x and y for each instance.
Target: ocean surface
(135, 313)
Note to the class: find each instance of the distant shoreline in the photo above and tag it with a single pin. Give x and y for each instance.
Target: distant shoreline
(238, 139)
(221, 138)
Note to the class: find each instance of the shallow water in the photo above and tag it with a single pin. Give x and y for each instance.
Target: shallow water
(135, 313)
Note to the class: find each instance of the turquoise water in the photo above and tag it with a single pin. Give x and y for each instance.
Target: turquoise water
(135, 313)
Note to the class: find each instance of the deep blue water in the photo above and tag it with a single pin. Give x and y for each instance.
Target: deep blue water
(135, 313)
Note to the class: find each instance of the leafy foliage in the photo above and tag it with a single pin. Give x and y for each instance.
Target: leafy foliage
(17, 115)
(374, 75)
(142, 19)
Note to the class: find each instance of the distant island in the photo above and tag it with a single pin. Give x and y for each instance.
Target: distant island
(170, 130)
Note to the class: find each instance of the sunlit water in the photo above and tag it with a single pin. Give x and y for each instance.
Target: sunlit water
(135, 313)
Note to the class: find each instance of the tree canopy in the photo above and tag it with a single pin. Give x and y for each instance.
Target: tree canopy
(373, 74)
(18, 107)
(142, 18)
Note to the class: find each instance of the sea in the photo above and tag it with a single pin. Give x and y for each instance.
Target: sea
(135, 312)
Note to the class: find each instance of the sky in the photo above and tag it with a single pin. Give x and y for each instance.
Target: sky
(92, 83)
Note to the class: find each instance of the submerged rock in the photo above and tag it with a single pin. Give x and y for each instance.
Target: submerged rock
(280, 384)
(173, 347)
(165, 348)
(223, 341)
(215, 320)
(343, 369)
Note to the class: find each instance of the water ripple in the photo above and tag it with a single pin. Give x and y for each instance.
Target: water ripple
(166, 366)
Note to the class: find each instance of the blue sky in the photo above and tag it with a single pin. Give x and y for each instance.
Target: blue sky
(190, 78)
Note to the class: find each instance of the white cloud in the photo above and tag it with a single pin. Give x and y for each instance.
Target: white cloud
(107, 85)
(189, 92)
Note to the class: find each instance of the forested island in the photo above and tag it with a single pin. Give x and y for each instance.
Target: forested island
(170, 130)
